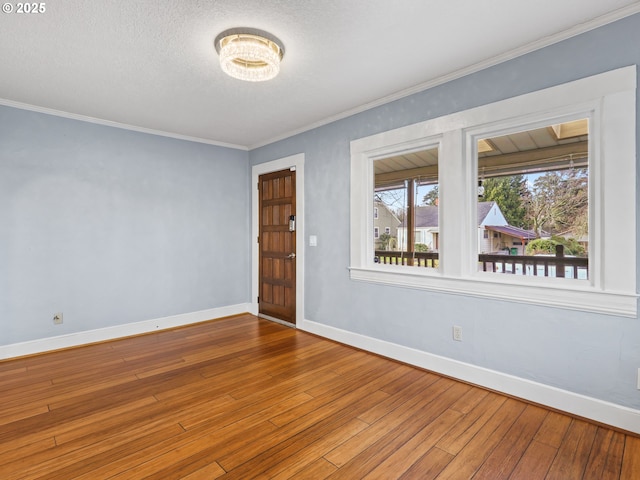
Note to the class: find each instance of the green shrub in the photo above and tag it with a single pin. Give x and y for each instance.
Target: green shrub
(547, 246)
(421, 247)
(571, 245)
(541, 246)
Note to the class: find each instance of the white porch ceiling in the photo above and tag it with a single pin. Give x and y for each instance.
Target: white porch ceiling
(151, 65)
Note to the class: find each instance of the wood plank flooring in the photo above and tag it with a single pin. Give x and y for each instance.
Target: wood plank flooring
(243, 398)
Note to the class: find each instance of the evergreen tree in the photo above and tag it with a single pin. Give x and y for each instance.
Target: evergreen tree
(510, 194)
(431, 197)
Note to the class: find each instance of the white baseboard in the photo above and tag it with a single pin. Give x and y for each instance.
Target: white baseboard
(587, 407)
(117, 331)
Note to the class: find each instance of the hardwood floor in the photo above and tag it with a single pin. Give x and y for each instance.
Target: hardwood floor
(242, 398)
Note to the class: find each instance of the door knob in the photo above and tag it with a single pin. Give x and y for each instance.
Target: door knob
(291, 255)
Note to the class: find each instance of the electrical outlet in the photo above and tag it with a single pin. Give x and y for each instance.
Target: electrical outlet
(57, 318)
(457, 333)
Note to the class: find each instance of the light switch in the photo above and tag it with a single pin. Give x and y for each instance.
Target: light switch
(313, 241)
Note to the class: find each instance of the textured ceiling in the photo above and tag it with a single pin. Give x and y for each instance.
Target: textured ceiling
(151, 64)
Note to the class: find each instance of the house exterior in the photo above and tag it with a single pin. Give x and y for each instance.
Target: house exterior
(495, 235)
(384, 221)
(426, 229)
(504, 239)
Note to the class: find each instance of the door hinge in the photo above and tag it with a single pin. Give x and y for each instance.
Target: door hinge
(258, 299)
(258, 239)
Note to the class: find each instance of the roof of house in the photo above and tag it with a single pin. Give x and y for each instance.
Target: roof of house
(427, 215)
(513, 231)
(483, 210)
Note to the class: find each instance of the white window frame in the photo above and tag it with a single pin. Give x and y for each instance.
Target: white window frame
(609, 101)
(531, 122)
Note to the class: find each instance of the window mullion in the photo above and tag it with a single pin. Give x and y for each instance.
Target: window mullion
(411, 220)
(452, 212)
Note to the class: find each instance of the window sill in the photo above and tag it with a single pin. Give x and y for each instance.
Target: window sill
(580, 296)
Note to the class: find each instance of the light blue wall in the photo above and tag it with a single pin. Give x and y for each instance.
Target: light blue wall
(591, 354)
(111, 226)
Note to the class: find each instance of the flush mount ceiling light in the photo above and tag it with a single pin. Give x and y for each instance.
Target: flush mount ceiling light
(249, 54)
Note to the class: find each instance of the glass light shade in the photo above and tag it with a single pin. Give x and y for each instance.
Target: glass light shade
(249, 57)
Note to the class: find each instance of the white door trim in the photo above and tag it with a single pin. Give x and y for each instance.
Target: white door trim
(297, 162)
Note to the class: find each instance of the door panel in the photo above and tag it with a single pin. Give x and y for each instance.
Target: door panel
(277, 251)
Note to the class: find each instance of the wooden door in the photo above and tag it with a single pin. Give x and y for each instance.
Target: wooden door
(277, 245)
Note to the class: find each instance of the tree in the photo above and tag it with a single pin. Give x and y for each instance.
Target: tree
(431, 197)
(559, 202)
(394, 199)
(571, 206)
(510, 194)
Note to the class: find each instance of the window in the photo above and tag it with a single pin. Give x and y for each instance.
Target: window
(376, 232)
(593, 119)
(375, 212)
(405, 188)
(387, 230)
(533, 188)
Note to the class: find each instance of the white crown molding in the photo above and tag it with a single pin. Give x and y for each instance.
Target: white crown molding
(117, 331)
(608, 413)
(109, 123)
(476, 67)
